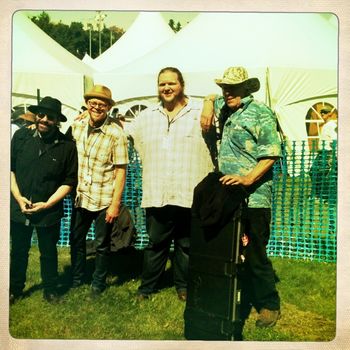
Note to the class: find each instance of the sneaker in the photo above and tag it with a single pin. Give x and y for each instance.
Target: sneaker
(142, 297)
(14, 298)
(182, 295)
(51, 298)
(77, 284)
(268, 318)
(95, 292)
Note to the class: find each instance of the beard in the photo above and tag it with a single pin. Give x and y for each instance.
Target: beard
(48, 131)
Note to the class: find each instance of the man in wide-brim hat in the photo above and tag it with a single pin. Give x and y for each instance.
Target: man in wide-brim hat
(249, 147)
(103, 157)
(20, 118)
(43, 171)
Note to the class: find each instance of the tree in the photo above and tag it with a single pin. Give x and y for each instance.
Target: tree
(176, 28)
(172, 24)
(43, 22)
(75, 38)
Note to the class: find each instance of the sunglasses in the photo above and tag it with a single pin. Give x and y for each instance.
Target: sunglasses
(324, 111)
(49, 117)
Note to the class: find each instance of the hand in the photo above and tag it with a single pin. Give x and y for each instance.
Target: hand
(207, 115)
(36, 207)
(82, 115)
(236, 180)
(112, 213)
(24, 204)
(206, 122)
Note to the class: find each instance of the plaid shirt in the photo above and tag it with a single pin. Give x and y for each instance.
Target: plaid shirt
(173, 153)
(98, 154)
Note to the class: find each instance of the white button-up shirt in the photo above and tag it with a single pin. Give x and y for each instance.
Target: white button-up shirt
(174, 155)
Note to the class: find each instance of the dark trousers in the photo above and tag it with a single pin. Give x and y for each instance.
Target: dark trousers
(164, 225)
(21, 236)
(81, 222)
(259, 281)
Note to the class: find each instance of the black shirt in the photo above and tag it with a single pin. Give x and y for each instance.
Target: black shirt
(41, 166)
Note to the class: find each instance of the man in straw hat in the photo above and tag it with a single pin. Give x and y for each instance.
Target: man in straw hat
(249, 147)
(20, 118)
(43, 171)
(103, 158)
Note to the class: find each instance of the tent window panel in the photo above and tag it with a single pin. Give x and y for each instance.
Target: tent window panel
(314, 123)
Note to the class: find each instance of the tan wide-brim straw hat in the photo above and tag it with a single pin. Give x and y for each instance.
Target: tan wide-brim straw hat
(101, 92)
(29, 116)
(238, 76)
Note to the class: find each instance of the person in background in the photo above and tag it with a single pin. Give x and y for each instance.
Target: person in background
(249, 146)
(175, 158)
(43, 171)
(326, 156)
(19, 119)
(103, 158)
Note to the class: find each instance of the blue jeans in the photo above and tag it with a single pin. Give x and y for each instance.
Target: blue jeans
(164, 225)
(81, 222)
(21, 236)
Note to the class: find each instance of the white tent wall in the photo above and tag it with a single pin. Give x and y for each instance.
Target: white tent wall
(299, 49)
(88, 60)
(38, 62)
(72, 83)
(148, 31)
(295, 91)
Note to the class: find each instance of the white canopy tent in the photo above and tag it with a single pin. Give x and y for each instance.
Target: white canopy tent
(295, 52)
(147, 32)
(41, 65)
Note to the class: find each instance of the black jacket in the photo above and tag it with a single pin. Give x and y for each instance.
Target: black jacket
(214, 203)
(41, 167)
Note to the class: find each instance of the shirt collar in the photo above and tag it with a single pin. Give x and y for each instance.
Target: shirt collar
(55, 139)
(246, 101)
(190, 105)
(101, 128)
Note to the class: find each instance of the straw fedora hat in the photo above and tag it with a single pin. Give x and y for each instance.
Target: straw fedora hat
(237, 76)
(101, 92)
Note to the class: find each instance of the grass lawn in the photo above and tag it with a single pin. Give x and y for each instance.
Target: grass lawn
(307, 291)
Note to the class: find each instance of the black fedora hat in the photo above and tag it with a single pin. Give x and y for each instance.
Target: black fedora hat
(50, 106)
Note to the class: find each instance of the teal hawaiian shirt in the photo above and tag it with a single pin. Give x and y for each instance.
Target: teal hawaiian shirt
(249, 134)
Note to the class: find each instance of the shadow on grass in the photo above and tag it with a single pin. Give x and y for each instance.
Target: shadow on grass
(124, 266)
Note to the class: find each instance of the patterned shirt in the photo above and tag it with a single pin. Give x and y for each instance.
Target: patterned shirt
(249, 134)
(174, 155)
(100, 150)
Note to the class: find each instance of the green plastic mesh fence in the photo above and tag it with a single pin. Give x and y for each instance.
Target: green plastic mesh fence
(304, 210)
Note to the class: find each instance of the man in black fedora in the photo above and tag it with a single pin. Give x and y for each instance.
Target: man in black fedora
(249, 146)
(43, 171)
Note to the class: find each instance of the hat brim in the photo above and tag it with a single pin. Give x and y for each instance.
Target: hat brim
(100, 96)
(253, 84)
(50, 112)
(28, 116)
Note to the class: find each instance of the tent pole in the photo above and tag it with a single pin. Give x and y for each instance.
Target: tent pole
(267, 91)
